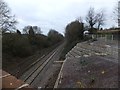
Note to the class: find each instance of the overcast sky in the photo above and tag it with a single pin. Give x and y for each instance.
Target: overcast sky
(56, 14)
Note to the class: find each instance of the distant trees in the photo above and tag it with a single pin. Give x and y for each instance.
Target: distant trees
(117, 13)
(74, 31)
(7, 21)
(26, 29)
(31, 31)
(23, 45)
(93, 18)
(18, 32)
(100, 19)
(54, 36)
(36, 29)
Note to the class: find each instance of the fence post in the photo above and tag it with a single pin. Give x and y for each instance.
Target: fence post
(105, 37)
(112, 37)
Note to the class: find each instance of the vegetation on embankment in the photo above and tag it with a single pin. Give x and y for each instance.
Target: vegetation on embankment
(24, 45)
(73, 35)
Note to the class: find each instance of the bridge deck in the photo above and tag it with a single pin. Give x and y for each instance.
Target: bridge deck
(11, 82)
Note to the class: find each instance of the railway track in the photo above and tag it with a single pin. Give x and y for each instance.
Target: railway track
(38, 66)
(18, 71)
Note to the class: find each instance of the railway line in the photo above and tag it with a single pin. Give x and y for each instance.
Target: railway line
(37, 67)
(27, 63)
(17, 72)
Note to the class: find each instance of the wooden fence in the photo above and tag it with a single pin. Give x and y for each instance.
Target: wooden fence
(107, 35)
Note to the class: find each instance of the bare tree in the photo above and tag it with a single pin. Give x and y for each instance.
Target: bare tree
(80, 19)
(116, 13)
(100, 19)
(94, 18)
(31, 31)
(36, 29)
(26, 29)
(7, 22)
(119, 14)
(91, 18)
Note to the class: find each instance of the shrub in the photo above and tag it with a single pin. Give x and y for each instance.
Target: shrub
(22, 47)
(16, 45)
(74, 31)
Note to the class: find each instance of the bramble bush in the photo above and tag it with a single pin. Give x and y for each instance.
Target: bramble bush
(16, 45)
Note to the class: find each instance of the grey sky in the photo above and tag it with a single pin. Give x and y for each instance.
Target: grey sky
(56, 14)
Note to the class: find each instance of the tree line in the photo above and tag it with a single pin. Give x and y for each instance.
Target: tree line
(23, 45)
